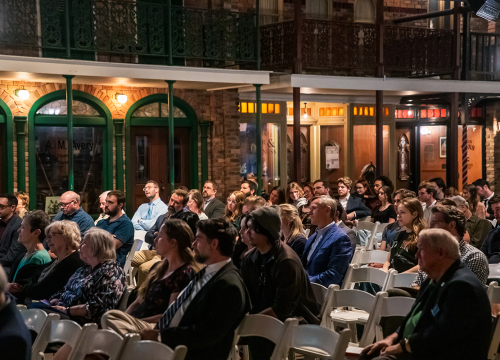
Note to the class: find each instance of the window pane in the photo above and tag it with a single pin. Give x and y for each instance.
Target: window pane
(153, 110)
(142, 150)
(59, 107)
(52, 165)
(432, 152)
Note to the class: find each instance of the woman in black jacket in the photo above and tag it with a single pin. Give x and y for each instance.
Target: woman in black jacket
(63, 238)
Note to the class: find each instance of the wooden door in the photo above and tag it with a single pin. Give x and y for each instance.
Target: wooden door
(150, 160)
(305, 140)
(330, 135)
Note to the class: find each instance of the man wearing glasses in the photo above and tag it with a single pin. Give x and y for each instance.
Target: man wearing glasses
(71, 210)
(146, 215)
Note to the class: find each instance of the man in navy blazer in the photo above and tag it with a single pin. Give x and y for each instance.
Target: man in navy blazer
(328, 251)
(15, 338)
(354, 206)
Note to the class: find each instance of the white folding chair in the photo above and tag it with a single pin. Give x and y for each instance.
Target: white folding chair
(151, 350)
(139, 235)
(318, 342)
(356, 274)
(385, 306)
(21, 307)
(366, 257)
(368, 226)
(320, 293)
(396, 280)
(35, 319)
(360, 304)
(365, 219)
(267, 327)
(61, 331)
(105, 342)
(375, 243)
(127, 268)
(122, 305)
(494, 296)
(494, 271)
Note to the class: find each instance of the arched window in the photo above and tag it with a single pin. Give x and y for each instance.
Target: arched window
(157, 110)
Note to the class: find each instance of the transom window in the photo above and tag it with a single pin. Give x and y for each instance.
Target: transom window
(157, 110)
(59, 107)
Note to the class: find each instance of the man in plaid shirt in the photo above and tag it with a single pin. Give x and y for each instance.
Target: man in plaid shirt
(453, 220)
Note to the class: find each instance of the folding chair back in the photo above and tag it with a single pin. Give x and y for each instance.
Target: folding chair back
(375, 243)
(367, 226)
(494, 296)
(494, 271)
(122, 305)
(267, 327)
(356, 274)
(140, 235)
(375, 256)
(128, 263)
(396, 280)
(150, 350)
(352, 298)
(320, 293)
(105, 342)
(319, 342)
(21, 307)
(35, 319)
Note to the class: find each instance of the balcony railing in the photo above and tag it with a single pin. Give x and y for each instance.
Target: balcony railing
(349, 49)
(127, 31)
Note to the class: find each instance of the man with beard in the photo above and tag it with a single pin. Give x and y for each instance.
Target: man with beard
(118, 225)
(205, 315)
(213, 207)
(147, 213)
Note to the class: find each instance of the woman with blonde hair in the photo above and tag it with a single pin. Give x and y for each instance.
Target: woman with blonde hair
(402, 255)
(195, 203)
(291, 228)
(295, 195)
(63, 239)
(165, 281)
(23, 202)
(234, 208)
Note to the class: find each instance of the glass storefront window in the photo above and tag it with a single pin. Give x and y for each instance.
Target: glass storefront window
(432, 152)
(52, 165)
(270, 154)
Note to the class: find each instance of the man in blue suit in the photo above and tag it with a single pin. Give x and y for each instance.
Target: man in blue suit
(328, 251)
(354, 206)
(15, 338)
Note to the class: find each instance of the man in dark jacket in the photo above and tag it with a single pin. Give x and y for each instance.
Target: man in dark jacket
(10, 223)
(275, 278)
(451, 317)
(212, 207)
(354, 207)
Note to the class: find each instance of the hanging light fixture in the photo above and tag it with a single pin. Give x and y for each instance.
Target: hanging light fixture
(305, 110)
(121, 98)
(23, 94)
(364, 11)
(424, 130)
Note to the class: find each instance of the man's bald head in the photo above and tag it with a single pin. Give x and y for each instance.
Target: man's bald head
(69, 202)
(102, 200)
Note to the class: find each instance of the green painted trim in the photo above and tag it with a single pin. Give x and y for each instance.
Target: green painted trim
(191, 120)
(2, 119)
(107, 145)
(119, 153)
(20, 123)
(8, 176)
(57, 120)
(204, 126)
(69, 126)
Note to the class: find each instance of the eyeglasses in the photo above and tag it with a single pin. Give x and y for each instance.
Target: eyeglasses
(61, 204)
(51, 235)
(3, 207)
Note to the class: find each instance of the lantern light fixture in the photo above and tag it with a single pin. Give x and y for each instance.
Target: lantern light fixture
(23, 94)
(121, 98)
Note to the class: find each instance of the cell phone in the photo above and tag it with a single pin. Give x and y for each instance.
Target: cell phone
(45, 302)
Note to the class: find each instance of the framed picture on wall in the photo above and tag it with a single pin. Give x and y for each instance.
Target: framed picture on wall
(442, 146)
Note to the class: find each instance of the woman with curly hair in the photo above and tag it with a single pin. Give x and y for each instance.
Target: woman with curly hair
(295, 195)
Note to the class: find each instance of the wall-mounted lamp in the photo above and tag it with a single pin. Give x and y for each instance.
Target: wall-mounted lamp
(121, 98)
(424, 130)
(23, 94)
(305, 110)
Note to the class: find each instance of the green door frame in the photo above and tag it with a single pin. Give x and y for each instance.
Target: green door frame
(105, 120)
(7, 119)
(190, 121)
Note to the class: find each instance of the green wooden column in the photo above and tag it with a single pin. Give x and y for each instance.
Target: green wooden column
(171, 132)
(69, 108)
(20, 123)
(119, 153)
(204, 126)
(258, 137)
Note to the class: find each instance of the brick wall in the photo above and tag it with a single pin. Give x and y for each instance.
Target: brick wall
(492, 144)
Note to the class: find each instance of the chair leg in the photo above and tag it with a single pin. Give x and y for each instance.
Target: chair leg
(354, 333)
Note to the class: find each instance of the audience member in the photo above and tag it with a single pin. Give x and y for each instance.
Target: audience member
(195, 204)
(295, 195)
(71, 210)
(94, 288)
(394, 228)
(10, 222)
(339, 218)
(450, 192)
(118, 225)
(275, 279)
(321, 187)
(472, 197)
(354, 207)
(14, 335)
(402, 255)
(329, 250)
(427, 197)
(451, 316)
(384, 213)
(364, 191)
(451, 219)
(147, 213)
(291, 228)
(102, 206)
(448, 202)
(213, 207)
(382, 181)
(440, 187)
(63, 238)
(484, 191)
(205, 316)
(23, 203)
(234, 208)
(277, 196)
(242, 245)
(249, 188)
(31, 236)
(252, 203)
(491, 245)
(476, 228)
(165, 282)
(305, 210)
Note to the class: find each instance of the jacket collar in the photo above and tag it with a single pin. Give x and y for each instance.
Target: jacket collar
(274, 252)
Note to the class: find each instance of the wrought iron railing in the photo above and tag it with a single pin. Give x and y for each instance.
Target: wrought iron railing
(348, 48)
(131, 31)
(484, 56)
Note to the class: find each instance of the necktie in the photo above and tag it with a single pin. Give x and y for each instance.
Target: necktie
(168, 315)
(150, 211)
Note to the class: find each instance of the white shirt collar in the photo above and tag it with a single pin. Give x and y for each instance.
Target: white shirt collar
(213, 268)
(488, 198)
